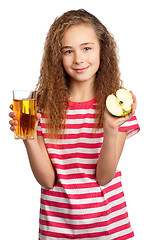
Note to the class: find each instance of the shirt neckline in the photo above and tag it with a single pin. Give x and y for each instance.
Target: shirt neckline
(85, 103)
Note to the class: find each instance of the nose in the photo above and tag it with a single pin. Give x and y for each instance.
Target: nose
(78, 57)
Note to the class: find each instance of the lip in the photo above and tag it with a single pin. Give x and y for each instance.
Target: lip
(80, 70)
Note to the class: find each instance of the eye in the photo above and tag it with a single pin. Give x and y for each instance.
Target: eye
(87, 48)
(68, 52)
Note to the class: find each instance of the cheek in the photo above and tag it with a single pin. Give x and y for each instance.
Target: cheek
(65, 63)
(95, 59)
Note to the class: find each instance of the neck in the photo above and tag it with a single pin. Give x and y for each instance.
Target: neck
(81, 91)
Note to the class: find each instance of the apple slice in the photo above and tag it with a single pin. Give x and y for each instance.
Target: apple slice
(119, 105)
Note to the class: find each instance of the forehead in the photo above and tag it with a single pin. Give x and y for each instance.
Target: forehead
(78, 34)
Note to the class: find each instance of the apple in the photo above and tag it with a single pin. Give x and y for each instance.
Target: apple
(119, 105)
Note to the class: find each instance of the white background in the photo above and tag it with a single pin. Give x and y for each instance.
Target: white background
(23, 28)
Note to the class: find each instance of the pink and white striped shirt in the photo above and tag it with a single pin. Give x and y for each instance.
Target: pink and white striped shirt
(77, 207)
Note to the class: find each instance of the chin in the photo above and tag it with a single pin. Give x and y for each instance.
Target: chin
(83, 78)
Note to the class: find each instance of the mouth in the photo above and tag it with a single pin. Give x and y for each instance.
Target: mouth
(80, 70)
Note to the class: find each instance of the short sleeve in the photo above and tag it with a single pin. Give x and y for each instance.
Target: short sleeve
(131, 127)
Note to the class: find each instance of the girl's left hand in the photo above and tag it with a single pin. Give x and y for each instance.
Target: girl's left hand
(112, 122)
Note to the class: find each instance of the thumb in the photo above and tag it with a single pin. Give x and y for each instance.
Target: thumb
(38, 116)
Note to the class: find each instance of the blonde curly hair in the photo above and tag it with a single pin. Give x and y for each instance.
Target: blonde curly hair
(53, 84)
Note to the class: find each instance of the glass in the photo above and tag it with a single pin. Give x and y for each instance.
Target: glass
(24, 105)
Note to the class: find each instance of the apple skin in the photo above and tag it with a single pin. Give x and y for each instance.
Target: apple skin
(125, 113)
(119, 105)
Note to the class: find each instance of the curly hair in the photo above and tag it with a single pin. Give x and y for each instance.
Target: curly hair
(53, 84)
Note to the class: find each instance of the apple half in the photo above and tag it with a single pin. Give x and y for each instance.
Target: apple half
(119, 105)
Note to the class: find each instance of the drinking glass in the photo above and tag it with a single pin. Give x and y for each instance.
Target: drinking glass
(24, 105)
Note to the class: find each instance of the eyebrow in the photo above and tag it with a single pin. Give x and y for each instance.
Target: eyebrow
(83, 44)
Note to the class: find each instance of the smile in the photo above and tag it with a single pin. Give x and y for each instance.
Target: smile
(80, 70)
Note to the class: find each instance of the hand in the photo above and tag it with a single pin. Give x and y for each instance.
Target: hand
(14, 123)
(112, 122)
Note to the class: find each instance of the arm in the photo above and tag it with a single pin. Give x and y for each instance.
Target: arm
(39, 159)
(112, 147)
(40, 162)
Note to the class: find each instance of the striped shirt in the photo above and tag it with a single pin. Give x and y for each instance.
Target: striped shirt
(77, 207)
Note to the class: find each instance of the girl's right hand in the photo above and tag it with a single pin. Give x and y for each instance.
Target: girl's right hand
(14, 123)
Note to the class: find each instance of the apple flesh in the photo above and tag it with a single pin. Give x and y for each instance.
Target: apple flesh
(119, 105)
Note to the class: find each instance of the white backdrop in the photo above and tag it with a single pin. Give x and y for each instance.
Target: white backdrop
(23, 28)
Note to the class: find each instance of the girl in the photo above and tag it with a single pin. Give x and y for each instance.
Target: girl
(79, 144)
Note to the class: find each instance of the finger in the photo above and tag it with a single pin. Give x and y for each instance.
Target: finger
(133, 109)
(130, 115)
(135, 102)
(38, 116)
(12, 114)
(134, 105)
(133, 96)
(11, 106)
(13, 122)
(13, 128)
(134, 99)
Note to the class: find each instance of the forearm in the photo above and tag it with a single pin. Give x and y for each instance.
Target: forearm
(108, 159)
(40, 164)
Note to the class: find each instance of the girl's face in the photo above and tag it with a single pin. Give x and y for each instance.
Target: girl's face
(81, 53)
